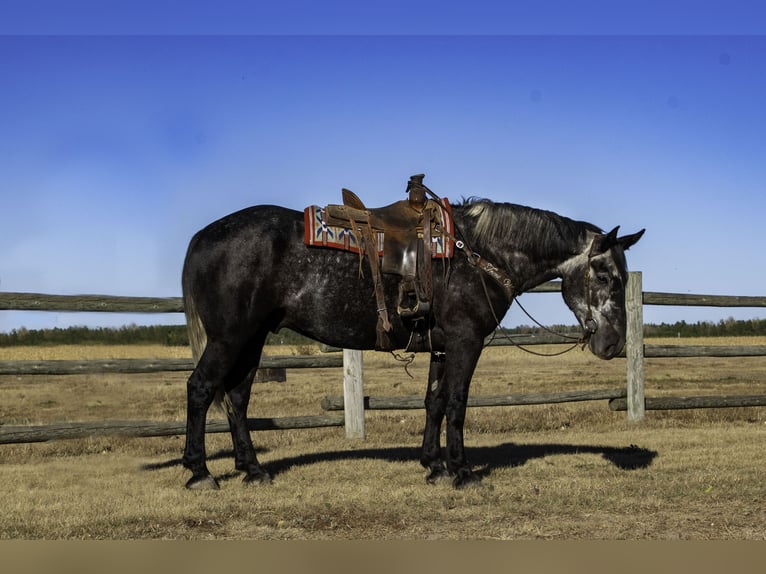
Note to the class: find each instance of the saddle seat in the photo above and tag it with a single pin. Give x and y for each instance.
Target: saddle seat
(407, 227)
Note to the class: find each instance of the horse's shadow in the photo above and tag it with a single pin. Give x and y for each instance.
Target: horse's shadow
(484, 459)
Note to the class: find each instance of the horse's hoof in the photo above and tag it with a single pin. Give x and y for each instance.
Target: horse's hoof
(202, 483)
(465, 479)
(438, 474)
(257, 478)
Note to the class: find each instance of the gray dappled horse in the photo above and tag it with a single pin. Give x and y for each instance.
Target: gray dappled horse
(250, 273)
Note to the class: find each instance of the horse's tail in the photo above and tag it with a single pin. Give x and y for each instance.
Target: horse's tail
(194, 328)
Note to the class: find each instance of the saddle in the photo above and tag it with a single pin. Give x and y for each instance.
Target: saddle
(409, 228)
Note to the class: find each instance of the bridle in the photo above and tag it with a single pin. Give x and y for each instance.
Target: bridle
(590, 326)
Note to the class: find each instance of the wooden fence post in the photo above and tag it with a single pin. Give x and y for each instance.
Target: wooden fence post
(634, 346)
(353, 393)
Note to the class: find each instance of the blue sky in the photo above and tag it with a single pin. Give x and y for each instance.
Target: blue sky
(121, 136)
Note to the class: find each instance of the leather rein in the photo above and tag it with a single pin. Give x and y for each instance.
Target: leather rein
(506, 284)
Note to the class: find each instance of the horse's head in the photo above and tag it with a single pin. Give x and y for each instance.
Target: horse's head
(593, 286)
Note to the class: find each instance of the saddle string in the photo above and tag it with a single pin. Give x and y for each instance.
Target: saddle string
(406, 360)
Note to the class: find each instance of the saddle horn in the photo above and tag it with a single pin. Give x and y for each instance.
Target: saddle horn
(417, 191)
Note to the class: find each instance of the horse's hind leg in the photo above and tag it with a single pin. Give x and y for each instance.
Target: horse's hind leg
(203, 384)
(245, 458)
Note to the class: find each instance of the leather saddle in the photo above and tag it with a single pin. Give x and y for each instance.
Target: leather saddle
(407, 227)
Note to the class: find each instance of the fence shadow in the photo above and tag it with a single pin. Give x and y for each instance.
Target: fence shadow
(483, 458)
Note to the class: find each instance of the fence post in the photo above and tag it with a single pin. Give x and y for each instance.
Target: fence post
(634, 346)
(353, 393)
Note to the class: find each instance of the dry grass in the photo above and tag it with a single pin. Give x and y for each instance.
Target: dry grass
(554, 471)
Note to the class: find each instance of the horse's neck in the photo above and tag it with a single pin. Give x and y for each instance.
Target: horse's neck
(529, 271)
(529, 261)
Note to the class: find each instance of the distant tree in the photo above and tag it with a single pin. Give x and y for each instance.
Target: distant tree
(176, 335)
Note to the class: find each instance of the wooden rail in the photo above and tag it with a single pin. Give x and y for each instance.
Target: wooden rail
(698, 402)
(44, 433)
(689, 300)
(70, 367)
(89, 303)
(336, 403)
(661, 351)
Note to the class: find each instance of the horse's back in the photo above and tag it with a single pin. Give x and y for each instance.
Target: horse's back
(253, 229)
(226, 259)
(250, 222)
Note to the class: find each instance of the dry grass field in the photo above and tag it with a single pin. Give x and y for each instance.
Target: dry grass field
(568, 471)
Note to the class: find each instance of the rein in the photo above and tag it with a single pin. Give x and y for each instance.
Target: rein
(590, 325)
(505, 282)
(577, 341)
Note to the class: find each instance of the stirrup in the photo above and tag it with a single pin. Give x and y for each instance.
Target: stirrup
(412, 302)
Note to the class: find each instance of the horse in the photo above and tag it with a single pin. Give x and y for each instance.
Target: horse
(250, 273)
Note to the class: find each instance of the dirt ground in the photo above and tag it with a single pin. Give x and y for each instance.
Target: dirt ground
(573, 471)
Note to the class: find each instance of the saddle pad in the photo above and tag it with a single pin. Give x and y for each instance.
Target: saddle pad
(318, 234)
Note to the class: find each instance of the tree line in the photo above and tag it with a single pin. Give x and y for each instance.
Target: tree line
(724, 328)
(175, 335)
(169, 335)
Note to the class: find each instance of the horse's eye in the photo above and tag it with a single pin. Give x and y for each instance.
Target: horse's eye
(603, 278)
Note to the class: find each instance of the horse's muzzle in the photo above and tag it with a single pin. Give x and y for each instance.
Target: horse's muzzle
(605, 343)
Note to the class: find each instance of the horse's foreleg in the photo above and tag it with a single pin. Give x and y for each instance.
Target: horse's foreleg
(460, 367)
(245, 458)
(436, 405)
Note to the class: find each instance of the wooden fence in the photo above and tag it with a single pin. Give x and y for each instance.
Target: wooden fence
(631, 398)
(636, 402)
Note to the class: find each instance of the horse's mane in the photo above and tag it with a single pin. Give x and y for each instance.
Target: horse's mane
(534, 231)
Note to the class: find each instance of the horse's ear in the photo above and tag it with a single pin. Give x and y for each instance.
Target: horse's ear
(627, 241)
(603, 243)
(611, 238)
